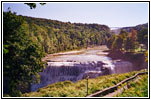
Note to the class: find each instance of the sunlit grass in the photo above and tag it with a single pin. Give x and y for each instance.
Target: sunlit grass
(138, 89)
(78, 89)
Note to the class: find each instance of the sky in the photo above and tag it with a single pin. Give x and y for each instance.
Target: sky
(111, 14)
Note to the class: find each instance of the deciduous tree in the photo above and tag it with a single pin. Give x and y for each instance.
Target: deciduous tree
(23, 57)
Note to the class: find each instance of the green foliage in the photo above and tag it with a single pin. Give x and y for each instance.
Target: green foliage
(130, 44)
(79, 89)
(55, 36)
(146, 56)
(140, 33)
(5, 50)
(138, 89)
(143, 36)
(24, 57)
(124, 41)
(110, 41)
(33, 5)
(118, 43)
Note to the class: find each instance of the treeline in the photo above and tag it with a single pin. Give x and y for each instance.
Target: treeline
(138, 28)
(54, 36)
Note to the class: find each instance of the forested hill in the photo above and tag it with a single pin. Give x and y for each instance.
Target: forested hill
(54, 36)
(138, 27)
(129, 29)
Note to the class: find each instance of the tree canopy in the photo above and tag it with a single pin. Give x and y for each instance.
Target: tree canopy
(55, 36)
(33, 5)
(128, 41)
(22, 56)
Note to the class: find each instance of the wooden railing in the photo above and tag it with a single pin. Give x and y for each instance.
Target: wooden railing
(115, 87)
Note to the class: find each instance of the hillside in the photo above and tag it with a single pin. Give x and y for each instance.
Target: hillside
(136, 89)
(129, 29)
(78, 89)
(55, 36)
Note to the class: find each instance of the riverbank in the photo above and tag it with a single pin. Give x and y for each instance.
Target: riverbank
(102, 48)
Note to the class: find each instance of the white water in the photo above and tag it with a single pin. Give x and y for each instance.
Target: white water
(75, 67)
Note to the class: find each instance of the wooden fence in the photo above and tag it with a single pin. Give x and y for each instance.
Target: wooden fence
(115, 87)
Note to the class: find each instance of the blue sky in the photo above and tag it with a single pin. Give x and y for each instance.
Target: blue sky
(111, 14)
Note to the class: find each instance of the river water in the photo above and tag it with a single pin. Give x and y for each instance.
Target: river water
(77, 65)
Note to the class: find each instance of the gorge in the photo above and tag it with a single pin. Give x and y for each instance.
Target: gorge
(65, 54)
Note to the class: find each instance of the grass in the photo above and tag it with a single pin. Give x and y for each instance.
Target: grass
(78, 89)
(138, 89)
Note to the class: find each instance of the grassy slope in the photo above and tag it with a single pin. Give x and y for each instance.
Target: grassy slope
(78, 89)
(138, 89)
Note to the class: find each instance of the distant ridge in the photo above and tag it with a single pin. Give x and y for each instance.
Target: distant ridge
(128, 29)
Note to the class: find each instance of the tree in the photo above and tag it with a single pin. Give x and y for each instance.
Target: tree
(33, 5)
(118, 43)
(110, 41)
(130, 44)
(134, 35)
(123, 41)
(23, 59)
(146, 56)
(143, 36)
(115, 43)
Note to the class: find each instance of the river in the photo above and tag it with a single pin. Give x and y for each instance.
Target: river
(77, 65)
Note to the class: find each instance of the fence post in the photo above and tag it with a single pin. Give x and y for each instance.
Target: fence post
(87, 84)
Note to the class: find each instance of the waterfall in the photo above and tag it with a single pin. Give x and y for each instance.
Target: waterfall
(118, 66)
(74, 71)
(76, 67)
(61, 71)
(123, 66)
